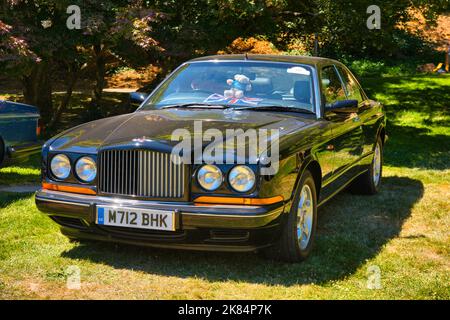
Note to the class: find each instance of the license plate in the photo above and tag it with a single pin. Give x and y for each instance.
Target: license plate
(136, 218)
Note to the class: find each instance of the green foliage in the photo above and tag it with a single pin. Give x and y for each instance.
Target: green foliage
(341, 26)
(367, 68)
(120, 69)
(106, 28)
(372, 68)
(14, 51)
(185, 29)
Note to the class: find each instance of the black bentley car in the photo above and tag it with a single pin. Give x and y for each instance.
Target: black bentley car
(119, 179)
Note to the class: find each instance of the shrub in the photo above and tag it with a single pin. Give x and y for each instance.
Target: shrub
(370, 68)
(367, 68)
(250, 45)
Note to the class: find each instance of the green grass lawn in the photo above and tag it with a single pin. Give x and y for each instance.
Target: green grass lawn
(25, 173)
(403, 232)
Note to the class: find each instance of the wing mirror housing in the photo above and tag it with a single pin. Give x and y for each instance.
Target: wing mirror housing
(138, 97)
(344, 106)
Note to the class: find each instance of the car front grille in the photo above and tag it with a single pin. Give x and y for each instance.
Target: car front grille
(141, 173)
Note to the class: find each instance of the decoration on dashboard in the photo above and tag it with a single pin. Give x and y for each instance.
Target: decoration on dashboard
(219, 99)
(239, 85)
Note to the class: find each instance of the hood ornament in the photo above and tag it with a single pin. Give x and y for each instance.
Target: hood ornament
(142, 139)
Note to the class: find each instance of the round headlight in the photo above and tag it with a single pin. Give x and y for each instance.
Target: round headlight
(60, 166)
(209, 177)
(86, 169)
(242, 178)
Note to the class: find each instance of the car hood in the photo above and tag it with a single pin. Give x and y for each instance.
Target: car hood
(155, 128)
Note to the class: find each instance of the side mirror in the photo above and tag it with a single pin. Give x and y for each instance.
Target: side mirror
(137, 97)
(344, 106)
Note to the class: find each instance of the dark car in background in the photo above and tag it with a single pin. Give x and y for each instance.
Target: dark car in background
(113, 179)
(19, 131)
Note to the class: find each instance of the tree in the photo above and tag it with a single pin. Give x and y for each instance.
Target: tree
(14, 51)
(106, 25)
(41, 26)
(199, 27)
(341, 25)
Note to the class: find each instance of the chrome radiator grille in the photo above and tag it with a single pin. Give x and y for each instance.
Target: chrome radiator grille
(140, 173)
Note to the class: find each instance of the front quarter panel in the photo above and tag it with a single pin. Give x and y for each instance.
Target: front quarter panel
(296, 150)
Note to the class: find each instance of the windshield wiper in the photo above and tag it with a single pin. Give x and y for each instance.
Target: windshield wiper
(275, 108)
(256, 108)
(194, 105)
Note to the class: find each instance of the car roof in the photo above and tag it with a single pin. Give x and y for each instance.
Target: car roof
(267, 57)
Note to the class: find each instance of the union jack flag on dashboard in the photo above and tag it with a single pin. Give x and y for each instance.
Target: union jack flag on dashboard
(217, 98)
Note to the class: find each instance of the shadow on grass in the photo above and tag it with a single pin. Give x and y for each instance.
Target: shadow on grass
(9, 178)
(352, 229)
(7, 198)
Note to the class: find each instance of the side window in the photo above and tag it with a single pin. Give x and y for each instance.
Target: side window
(332, 88)
(352, 87)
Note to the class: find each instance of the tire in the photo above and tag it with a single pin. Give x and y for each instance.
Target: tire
(369, 183)
(290, 248)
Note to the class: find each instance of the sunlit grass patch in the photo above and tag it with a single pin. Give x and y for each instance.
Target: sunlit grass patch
(26, 173)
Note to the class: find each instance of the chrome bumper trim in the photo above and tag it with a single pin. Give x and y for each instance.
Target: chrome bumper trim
(87, 201)
(64, 202)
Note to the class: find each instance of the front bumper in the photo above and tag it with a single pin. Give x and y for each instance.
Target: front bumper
(199, 227)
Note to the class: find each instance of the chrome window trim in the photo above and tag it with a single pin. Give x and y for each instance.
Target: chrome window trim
(343, 83)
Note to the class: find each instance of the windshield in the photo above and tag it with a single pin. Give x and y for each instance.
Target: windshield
(236, 84)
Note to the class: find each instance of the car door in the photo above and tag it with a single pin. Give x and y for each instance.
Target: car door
(346, 128)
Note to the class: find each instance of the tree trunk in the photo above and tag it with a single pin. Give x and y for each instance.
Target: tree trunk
(31, 85)
(73, 73)
(37, 90)
(100, 72)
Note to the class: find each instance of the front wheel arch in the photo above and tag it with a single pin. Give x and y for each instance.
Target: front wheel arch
(314, 168)
(316, 171)
(288, 247)
(312, 165)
